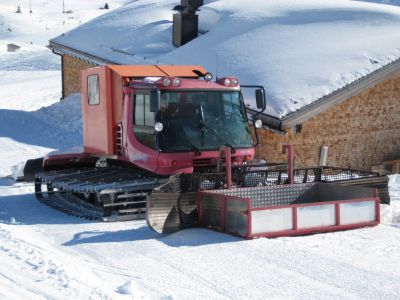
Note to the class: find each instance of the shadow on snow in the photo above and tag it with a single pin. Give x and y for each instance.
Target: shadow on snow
(27, 210)
(188, 237)
(25, 127)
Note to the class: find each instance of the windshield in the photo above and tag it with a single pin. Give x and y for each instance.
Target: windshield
(198, 120)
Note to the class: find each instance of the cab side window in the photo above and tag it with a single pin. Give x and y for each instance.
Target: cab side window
(93, 92)
(143, 121)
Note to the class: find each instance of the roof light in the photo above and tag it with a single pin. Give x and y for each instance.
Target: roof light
(177, 82)
(228, 81)
(167, 82)
(208, 76)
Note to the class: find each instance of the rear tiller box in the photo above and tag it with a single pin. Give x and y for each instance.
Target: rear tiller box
(284, 210)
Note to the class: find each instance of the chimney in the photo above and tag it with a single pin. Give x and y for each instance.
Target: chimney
(193, 3)
(185, 22)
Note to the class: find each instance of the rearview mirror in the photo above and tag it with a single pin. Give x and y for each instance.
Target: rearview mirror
(260, 98)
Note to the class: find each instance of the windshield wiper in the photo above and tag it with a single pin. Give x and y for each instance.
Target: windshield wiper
(200, 114)
(204, 129)
(197, 152)
(221, 139)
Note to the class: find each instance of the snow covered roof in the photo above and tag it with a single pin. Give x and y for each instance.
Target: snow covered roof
(300, 51)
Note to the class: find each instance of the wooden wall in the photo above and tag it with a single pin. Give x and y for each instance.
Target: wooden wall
(72, 74)
(360, 132)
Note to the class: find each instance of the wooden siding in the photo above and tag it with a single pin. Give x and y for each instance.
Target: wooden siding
(361, 131)
(72, 74)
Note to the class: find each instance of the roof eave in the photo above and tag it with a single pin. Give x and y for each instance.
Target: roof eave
(61, 49)
(378, 76)
(269, 122)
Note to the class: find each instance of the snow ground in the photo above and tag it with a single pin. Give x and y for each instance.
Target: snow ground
(45, 254)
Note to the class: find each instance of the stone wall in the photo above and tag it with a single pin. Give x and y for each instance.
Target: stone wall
(72, 74)
(361, 131)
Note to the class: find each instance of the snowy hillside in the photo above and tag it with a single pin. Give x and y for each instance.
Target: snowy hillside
(30, 79)
(45, 254)
(299, 50)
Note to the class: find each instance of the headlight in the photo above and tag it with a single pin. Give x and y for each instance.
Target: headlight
(158, 126)
(258, 123)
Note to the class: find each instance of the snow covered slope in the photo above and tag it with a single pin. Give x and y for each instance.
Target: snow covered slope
(46, 254)
(299, 50)
(47, 18)
(30, 79)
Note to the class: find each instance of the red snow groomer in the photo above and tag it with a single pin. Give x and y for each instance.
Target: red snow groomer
(165, 142)
(142, 127)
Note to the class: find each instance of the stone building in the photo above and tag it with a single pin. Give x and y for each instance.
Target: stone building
(358, 123)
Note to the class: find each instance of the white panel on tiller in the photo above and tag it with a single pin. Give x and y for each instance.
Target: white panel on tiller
(271, 220)
(316, 216)
(357, 212)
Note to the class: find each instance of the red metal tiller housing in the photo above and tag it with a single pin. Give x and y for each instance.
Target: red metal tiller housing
(285, 210)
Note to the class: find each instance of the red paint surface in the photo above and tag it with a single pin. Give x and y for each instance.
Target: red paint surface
(228, 157)
(116, 107)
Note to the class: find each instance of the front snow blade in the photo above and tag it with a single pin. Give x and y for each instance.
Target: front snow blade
(32, 167)
(162, 212)
(168, 212)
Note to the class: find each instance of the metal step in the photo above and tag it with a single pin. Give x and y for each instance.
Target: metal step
(121, 218)
(130, 211)
(124, 203)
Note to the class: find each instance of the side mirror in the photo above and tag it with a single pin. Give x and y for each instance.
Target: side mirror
(153, 101)
(260, 98)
